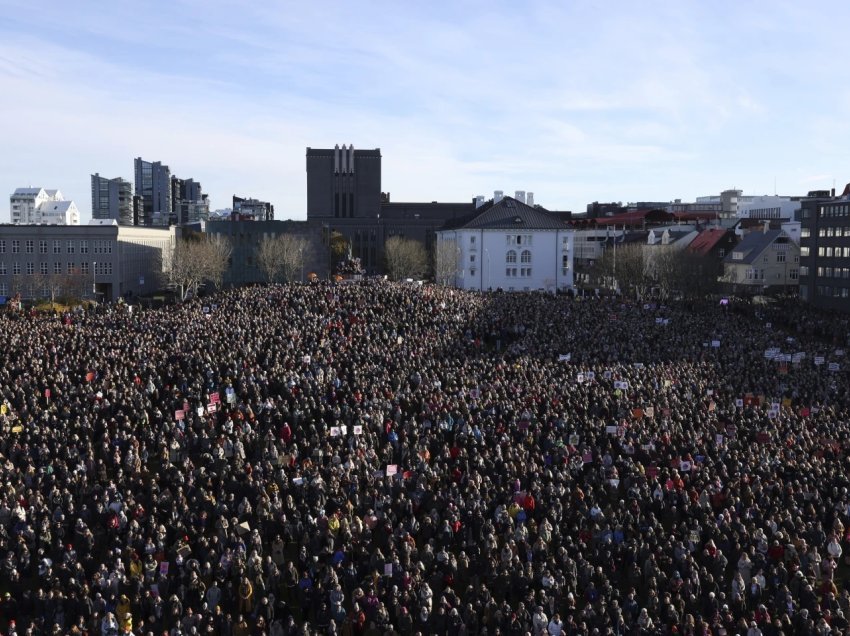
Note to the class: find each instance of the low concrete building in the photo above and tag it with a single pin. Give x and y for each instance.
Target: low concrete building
(102, 260)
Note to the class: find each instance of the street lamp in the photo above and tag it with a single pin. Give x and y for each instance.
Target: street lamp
(94, 280)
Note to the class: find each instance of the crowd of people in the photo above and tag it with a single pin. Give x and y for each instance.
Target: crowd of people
(377, 458)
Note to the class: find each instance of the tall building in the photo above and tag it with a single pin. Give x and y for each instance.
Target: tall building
(39, 206)
(343, 183)
(825, 251)
(153, 185)
(112, 199)
(188, 203)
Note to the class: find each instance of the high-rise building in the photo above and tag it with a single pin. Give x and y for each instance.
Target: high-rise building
(153, 184)
(343, 183)
(112, 199)
(251, 210)
(188, 203)
(39, 206)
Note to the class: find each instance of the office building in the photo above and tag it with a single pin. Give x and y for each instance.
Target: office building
(112, 199)
(188, 203)
(825, 251)
(153, 185)
(101, 260)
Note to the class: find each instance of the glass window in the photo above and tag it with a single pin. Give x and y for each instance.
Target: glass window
(30, 246)
(2, 269)
(42, 247)
(30, 268)
(510, 257)
(16, 246)
(16, 268)
(57, 267)
(2, 246)
(43, 268)
(525, 257)
(71, 246)
(84, 246)
(57, 246)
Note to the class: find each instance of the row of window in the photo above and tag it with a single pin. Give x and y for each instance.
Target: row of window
(829, 291)
(511, 272)
(98, 246)
(104, 269)
(833, 211)
(758, 274)
(828, 232)
(829, 252)
(833, 272)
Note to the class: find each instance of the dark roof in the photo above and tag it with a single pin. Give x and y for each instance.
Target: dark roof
(706, 241)
(752, 246)
(507, 214)
(632, 218)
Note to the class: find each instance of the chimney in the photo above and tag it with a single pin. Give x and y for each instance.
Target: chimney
(529, 198)
(519, 195)
(336, 158)
(478, 201)
(498, 195)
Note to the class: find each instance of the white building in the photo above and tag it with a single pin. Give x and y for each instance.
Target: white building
(40, 206)
(508, 245)
(768, 207)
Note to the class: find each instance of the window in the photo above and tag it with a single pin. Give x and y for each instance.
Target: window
(70, 267)
(472, 258)
(793, 274)
(828, 252)
(16, 246)
(804, 270)
(525, 271)
(42, 247)
(472, 271)
(16, 268)
(84, 246)
(510, 257)
(30, 268)
(84, 268)
(2, 246)
(70, 246)
(780, 257)
(57, 267)
(737, 256)
(721, 252)
(2, 269)
(30, 246)
(57, 246)
(805, 233)
(472, 240)
(43, 268)
(4, 289)
(525, 257)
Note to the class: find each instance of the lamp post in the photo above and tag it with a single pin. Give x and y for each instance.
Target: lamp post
(487, 256)
(94, 280)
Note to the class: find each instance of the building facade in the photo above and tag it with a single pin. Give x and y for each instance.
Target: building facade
(509, 246)
(825, 252)
(188, 203)
(153, 185)
(112, 199)
(763, 262)
(102, 260)
(37, 205)
(251, 210)
(343, 183)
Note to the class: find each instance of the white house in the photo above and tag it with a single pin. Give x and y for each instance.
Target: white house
(507, 245)
(40, 206)
(768, 207)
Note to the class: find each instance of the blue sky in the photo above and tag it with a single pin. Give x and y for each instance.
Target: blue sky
(576, 101)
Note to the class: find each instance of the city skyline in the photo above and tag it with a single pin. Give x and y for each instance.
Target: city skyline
(575, 103)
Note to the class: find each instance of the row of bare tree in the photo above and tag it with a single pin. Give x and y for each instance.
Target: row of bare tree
(635, 270)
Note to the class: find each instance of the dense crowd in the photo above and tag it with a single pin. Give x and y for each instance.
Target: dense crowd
(377, 458)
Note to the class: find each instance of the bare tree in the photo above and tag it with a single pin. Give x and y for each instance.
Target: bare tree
(624, 268)
(405, 258)
(215, 251)
(295, 250)
(283, 256)
(446, 261)
(184, 269)
(270, 258)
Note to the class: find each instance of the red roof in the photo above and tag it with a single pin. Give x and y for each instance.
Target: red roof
(706, 240)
